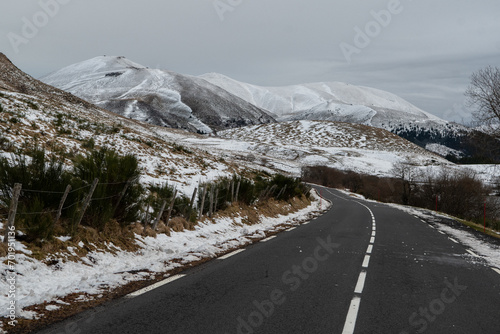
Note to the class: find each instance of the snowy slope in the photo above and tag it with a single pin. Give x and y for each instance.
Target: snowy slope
(289, 146)
(156, 96)
(292, 101)
(61, 122)
(337, 101)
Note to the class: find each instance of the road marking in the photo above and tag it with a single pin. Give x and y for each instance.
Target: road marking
(472, 253)
(453, 240)
(336, 195)
(495, 269)
(352, 315)
(366, 261)
(361, 283)
(441, 232)
(154, 286)
(306, 223)
(267, 239)
(231, 254)
(291, 229)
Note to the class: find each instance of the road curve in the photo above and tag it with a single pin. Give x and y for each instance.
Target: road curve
(360, 268)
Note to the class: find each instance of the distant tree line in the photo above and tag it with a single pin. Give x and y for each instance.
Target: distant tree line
(458, 193)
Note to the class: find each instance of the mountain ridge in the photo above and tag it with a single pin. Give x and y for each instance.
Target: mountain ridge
(159, 97)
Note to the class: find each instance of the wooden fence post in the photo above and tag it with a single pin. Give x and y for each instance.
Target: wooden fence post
(203, 201)
(216, 199)
(237, 191)
(121, 196)
(211, 198)
(87, 201)
(191, 203)
(232, 192)
(12, 211)
(147, 214)
(61, 205)
(171, 208)
(281, 192)
(160, 213)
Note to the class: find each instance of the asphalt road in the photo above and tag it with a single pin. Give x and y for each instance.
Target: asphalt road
(360, 268)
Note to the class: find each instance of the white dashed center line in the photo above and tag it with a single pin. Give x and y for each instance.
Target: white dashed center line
(352, 315)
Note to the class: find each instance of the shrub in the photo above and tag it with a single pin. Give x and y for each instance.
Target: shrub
(113, 172)
(43, 182)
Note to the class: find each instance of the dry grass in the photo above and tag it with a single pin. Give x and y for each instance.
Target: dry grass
(269, 208)
(121, 237)
(179, 224)
(479, 228)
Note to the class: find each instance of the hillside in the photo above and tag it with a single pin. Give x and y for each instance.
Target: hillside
(289, 146)
(35, 113)
(213, 102)
(155, 96)
(337, 101)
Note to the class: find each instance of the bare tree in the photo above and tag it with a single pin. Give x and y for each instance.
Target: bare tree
(407, 172)
(484, 93)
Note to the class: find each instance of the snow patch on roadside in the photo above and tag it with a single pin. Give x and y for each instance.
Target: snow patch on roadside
(486, 250)
(38, 282)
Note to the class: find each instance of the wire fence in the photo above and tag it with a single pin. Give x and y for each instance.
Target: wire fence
(207, 199)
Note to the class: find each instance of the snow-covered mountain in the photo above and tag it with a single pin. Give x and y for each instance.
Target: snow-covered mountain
(156, 96)
(214, 102)
(334, 101)
(337, 101)
(34, 113)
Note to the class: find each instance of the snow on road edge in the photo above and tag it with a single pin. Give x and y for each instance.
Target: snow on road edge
(487, 251)
(100, 271)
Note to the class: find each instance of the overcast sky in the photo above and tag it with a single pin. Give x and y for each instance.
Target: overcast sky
(422, 50)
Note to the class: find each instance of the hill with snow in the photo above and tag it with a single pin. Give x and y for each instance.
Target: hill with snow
(337, 101)
(32, 112)
(332, 101)
(349, 147)
(156, 96)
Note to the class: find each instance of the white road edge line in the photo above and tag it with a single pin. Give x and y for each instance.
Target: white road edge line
(453, 240)
(472, 253)
(352, 315)
(291, 229)
(154, 286)
(231, 254)
(269, 238)
(442, 232)
(361, 282)
(496, 269)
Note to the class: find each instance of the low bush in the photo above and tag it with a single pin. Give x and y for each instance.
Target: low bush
(458, 193)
